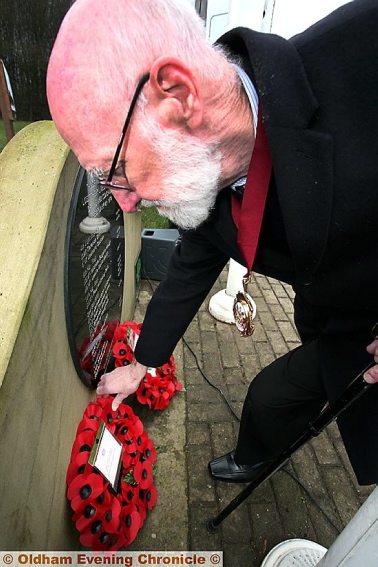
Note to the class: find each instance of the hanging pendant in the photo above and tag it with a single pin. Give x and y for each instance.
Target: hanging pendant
(244, 311)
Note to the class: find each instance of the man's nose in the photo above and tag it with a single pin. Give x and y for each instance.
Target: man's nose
(127, 200)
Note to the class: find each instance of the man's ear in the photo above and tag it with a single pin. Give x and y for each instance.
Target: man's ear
(175, 93)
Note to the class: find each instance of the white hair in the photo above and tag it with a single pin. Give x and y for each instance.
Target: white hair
(190, 173)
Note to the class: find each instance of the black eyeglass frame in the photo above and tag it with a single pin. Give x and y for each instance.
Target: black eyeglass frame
(108, 181)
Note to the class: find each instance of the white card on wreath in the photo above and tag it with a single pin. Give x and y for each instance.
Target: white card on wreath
(106, 455)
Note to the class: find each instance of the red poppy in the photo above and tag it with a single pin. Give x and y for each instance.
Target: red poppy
(142, 510)
(92, 511)
(127, 331)
(161, 403)
(84, 488)
(137, 426)
(88, 424)
(157, 389)
(143, 474)
(148, 497)
(112, 515)
(169, 367)
(78, 465)
(130, 494)
(148, 391)
(83, 442)
(122, 351)
(131, 522)
(148, 450)
(98, 539)
(93, 411)
(128, 460)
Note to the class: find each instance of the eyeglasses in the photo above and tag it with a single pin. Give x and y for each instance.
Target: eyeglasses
(108, 181)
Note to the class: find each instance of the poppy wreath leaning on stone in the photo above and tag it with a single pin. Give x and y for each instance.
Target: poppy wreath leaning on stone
(87, 356)
(159, 384)
(109, 519)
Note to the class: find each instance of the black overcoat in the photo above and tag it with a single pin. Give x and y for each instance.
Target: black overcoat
(319, 98)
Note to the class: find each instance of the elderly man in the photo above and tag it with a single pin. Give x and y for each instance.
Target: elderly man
(299, 119)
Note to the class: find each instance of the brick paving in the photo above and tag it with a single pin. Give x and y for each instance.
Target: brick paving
(199, 426)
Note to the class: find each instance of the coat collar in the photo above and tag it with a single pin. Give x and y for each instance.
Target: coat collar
(302, 156)
(275, 68)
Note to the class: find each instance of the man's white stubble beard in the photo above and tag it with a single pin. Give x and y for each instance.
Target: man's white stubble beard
(191, 172)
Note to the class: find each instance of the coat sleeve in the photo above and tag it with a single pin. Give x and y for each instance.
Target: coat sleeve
(195, 265)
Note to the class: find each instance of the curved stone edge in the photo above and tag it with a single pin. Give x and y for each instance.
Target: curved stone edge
(41, 398)
(30, 167)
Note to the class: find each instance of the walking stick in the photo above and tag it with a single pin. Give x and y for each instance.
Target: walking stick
(333, 410)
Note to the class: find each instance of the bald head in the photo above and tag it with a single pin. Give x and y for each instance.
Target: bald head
(102, 49)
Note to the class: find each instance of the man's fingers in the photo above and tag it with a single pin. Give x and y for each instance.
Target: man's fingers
(102, 388)
(117, 401)
(371, 375)
(122, 381)
(373, 347)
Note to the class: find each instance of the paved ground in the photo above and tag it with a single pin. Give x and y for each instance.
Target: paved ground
(314, 497)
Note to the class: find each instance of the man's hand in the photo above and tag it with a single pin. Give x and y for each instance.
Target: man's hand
(123, 381)
(371, 375)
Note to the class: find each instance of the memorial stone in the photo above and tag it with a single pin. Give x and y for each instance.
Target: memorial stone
(93, 277)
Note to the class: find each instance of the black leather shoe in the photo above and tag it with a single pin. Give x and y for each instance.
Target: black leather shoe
(225, 468)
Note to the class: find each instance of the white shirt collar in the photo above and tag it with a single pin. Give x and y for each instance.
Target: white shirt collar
(238, 186)
(250, 92)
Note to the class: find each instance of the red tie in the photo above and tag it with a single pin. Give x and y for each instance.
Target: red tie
(248, 214)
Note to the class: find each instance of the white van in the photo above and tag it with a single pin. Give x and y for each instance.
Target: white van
(283, 17)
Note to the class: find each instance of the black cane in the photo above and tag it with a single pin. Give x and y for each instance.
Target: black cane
(333, 410)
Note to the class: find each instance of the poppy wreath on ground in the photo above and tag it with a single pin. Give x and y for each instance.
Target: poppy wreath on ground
(159, 384)
(109, 519)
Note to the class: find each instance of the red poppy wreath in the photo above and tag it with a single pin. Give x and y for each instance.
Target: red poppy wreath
(95, 351)
(159, 384)
(108, 519)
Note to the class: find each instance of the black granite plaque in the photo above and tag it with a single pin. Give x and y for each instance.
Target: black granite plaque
(94, 263)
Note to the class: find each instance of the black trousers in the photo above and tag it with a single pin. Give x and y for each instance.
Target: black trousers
(289, 393)
(281, 401)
